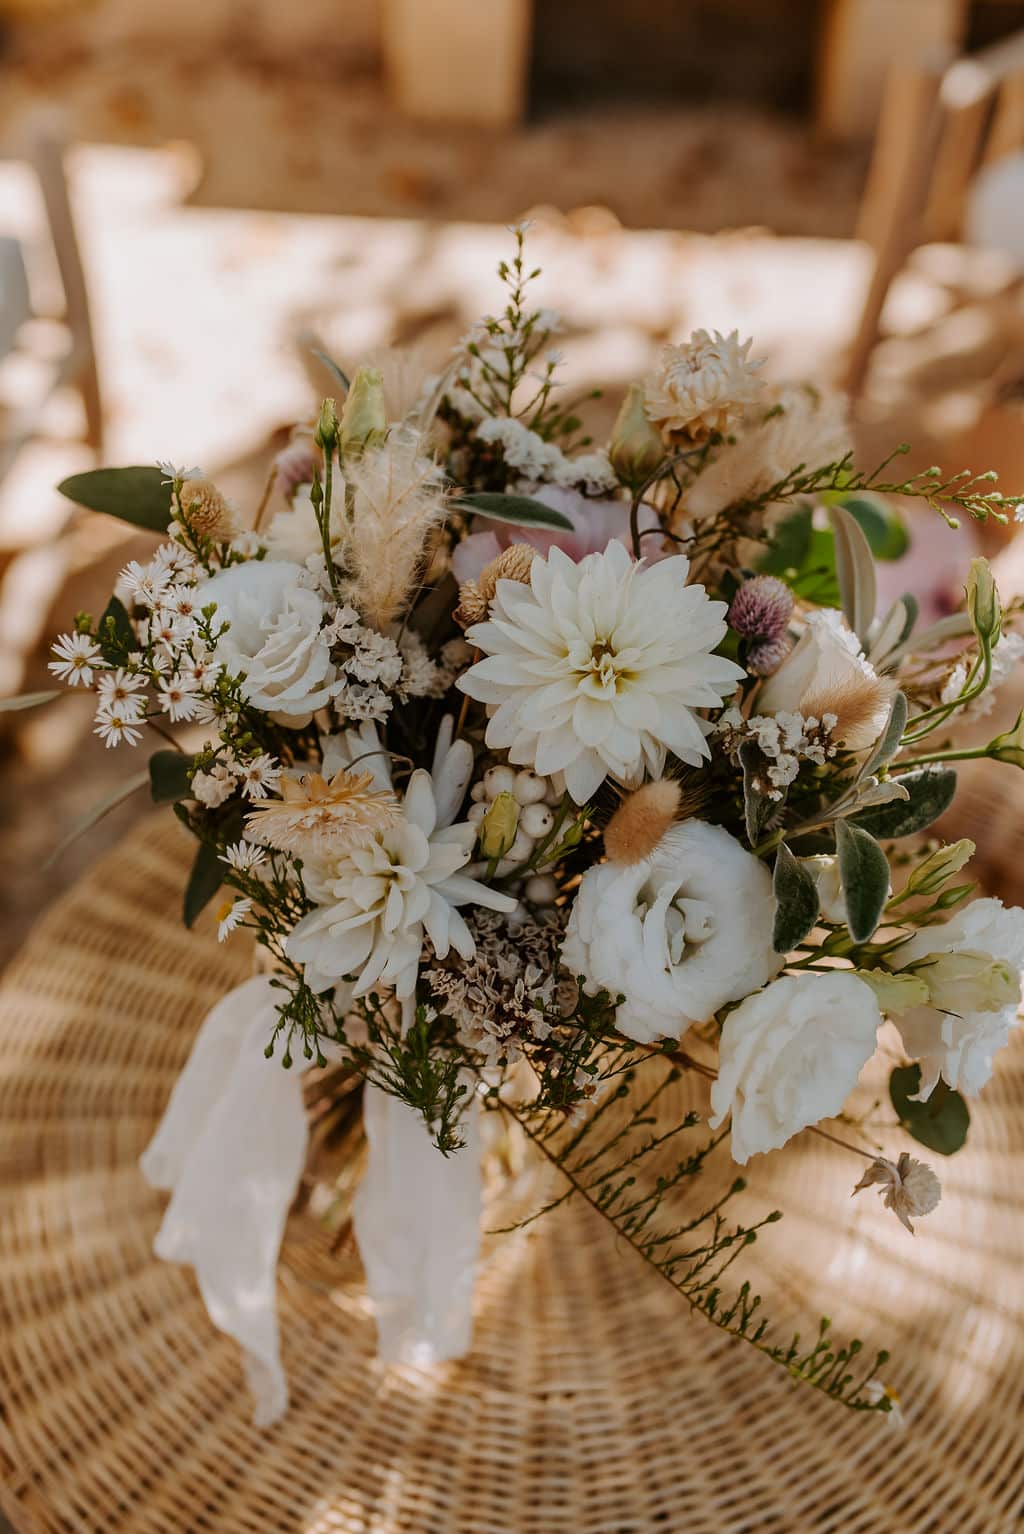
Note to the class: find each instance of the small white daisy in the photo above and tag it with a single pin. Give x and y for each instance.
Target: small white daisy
(876, 1390)
(78, 657)
(116, 725)
(117, 686)
(144, 583)
(171, 472)
(259, 776)
(244, 857)
(177, 697)
(230, 915)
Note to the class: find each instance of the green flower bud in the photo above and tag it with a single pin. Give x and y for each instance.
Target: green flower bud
(929, 877)
(635, 449)
(983, 606)
(326, 434)
(498, 827)
(969, 981)
(363, 420)
(895, 994)
(1009, 747)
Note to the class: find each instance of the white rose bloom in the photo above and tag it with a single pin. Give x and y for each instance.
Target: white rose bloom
(378, 904)
(827, 674)
(677, 934)
(274, 640)
(599, 667)
(948, 1040)
(791, 1055)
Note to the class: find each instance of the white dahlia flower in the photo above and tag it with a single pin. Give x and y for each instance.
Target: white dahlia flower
(274, 640)
(955, 1037)
(677, 934)
(598, 667)
(701, 387)
(377, 904)
(791, 1055)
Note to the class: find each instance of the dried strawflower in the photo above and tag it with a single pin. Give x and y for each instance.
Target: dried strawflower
(910, 1187)
(761, 609)
(512, 564)
(702, 387)
(317, 818)
(206, 511)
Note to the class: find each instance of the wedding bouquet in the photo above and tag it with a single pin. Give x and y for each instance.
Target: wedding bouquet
(543, 773)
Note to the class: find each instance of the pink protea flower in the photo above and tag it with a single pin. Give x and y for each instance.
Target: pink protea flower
(595, 524)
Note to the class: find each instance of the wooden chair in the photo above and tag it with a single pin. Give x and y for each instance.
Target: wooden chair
(76, 366)
(941, 121)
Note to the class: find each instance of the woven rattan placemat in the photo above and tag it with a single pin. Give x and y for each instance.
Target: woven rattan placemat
(592, 1403)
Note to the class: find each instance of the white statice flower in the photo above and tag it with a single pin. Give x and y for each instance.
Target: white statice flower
(78, 657)
(540, 462)
(678, 934)
(786, 741)
(375, 658)
(259, 776)
(116, 723)
(828, 673)
(591, 472)
(377, 904)
(795, 425)
(701, 387)
(274, 640)
(356, 701)
(600, 667)
(231, 915)
(949, 1040)
(215, 787)
(178, 697)
(1006, 657)
(790, 1055)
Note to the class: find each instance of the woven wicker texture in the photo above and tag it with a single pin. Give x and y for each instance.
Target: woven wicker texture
(592, 1401)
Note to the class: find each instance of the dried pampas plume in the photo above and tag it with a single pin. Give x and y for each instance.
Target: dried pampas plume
(206, 511)
(644, 816)
(397, 500)
(512, 564)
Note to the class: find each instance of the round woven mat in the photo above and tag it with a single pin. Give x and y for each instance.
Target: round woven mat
(592, 1402)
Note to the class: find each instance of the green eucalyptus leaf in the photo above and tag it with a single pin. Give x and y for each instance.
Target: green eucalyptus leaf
(204, 881)
(102, 807)
(864, 876)
(518, 510)
(29, 700)
(137, 495)
(169, 778)
(889, 741)
(941, 1123)
(930, 792)
(855, 569)
(796, 900)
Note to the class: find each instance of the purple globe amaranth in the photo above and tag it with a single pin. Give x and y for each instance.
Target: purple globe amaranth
(761, 609)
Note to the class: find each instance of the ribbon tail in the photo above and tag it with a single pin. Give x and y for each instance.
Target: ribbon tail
(417, 1222)
(231, 1148)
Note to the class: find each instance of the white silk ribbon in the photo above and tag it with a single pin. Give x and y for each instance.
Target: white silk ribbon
(230, 1149)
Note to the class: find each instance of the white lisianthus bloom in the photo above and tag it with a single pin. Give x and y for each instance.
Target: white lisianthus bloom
(827, 676)
(951, 1039)
(274, 640)
(377, 904)
(598, 667)
(791, 1055)
(677, 934)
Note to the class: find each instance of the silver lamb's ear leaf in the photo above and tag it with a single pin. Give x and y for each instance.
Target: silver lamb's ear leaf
(855, 569)
(885, 792)
(895, 627)
(888, 742)
(864, 876)
(796, 900)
